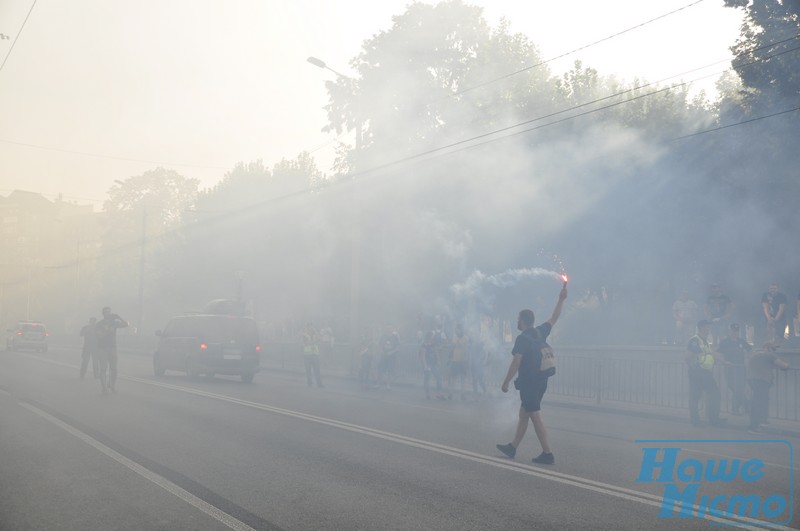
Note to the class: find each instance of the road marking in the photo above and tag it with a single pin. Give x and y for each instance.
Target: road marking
(559, 477)
(222, 517)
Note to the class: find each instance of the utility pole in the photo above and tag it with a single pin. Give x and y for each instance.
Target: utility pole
(141, 271)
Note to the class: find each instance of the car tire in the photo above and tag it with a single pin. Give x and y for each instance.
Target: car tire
(158, 369)
(248, 377)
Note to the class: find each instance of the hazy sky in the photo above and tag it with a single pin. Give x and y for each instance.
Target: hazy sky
(98, 90)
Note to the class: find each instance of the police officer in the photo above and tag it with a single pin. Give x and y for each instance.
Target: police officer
(701, 361)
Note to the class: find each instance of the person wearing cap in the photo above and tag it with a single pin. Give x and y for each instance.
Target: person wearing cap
(701, 361)
(733, 349)
(718, 310)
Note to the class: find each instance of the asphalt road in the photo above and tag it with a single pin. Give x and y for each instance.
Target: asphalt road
(172, 453)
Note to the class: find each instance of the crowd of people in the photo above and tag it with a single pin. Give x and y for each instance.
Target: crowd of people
(720, 311)
(743, 366)
(449, 362)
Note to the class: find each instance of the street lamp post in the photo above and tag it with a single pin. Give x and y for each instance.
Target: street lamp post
(355, 245)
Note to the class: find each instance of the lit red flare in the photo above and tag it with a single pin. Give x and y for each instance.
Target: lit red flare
(564, 278)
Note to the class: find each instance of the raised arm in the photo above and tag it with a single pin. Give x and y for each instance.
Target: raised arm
(559, 305)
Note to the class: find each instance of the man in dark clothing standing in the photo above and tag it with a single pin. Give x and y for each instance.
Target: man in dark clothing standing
(106, 333)
(774, 304)
(532, 382)
(733, 349)
(718, 310)
(429, 356)
(89, 346)
(760, 374)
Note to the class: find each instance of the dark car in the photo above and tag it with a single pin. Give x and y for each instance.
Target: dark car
(31, 335)
(209, 345)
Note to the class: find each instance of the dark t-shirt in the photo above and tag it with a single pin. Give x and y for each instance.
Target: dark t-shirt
(762, 367)
(774, 302)
(106, 332)
(718, 305)
(430, 348)
(529, 344)
(733, 350)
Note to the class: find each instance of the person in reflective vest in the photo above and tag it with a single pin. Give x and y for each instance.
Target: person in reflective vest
(311, 355)
(701, 362)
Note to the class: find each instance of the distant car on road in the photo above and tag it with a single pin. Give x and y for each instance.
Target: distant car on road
(209, 345)
(30, 335)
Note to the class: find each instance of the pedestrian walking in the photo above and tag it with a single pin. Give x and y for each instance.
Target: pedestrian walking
(459, 360)
(311, 355)
(429, 356)
(106, 349)
(88, 333)
(477, 364)
(390, 347)
(531, 382)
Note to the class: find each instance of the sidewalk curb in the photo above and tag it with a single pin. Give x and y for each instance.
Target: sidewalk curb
(555, 400)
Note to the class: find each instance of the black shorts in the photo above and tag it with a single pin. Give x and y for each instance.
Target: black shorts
(531, 396)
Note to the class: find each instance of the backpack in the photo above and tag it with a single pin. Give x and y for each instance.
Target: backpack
(548, 359)
(548, 364)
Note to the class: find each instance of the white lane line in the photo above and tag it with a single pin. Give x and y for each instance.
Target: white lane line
(559, 477)
(222, 517)
(567, 479)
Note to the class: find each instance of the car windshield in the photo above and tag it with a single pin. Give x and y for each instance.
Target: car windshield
(215, 328)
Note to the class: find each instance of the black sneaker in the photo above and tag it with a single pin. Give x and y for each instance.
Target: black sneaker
(545, 459)
(507, 449)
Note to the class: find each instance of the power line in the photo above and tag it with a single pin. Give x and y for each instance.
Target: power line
(440, 149)
(102, 156)
(18, 34)
(331, 141)
(720, 128)
(565, 54)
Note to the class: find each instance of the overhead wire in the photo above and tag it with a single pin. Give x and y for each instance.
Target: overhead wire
(17, 36)
(460, 145)
(112, 157)
(304, 192)
(589, 103)
(581, 48)
(335, 139)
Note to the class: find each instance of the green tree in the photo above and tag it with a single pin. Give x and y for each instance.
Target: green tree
(142, 214)
(437, 76)
(767, 57)
(269, 235)
(763, 158)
